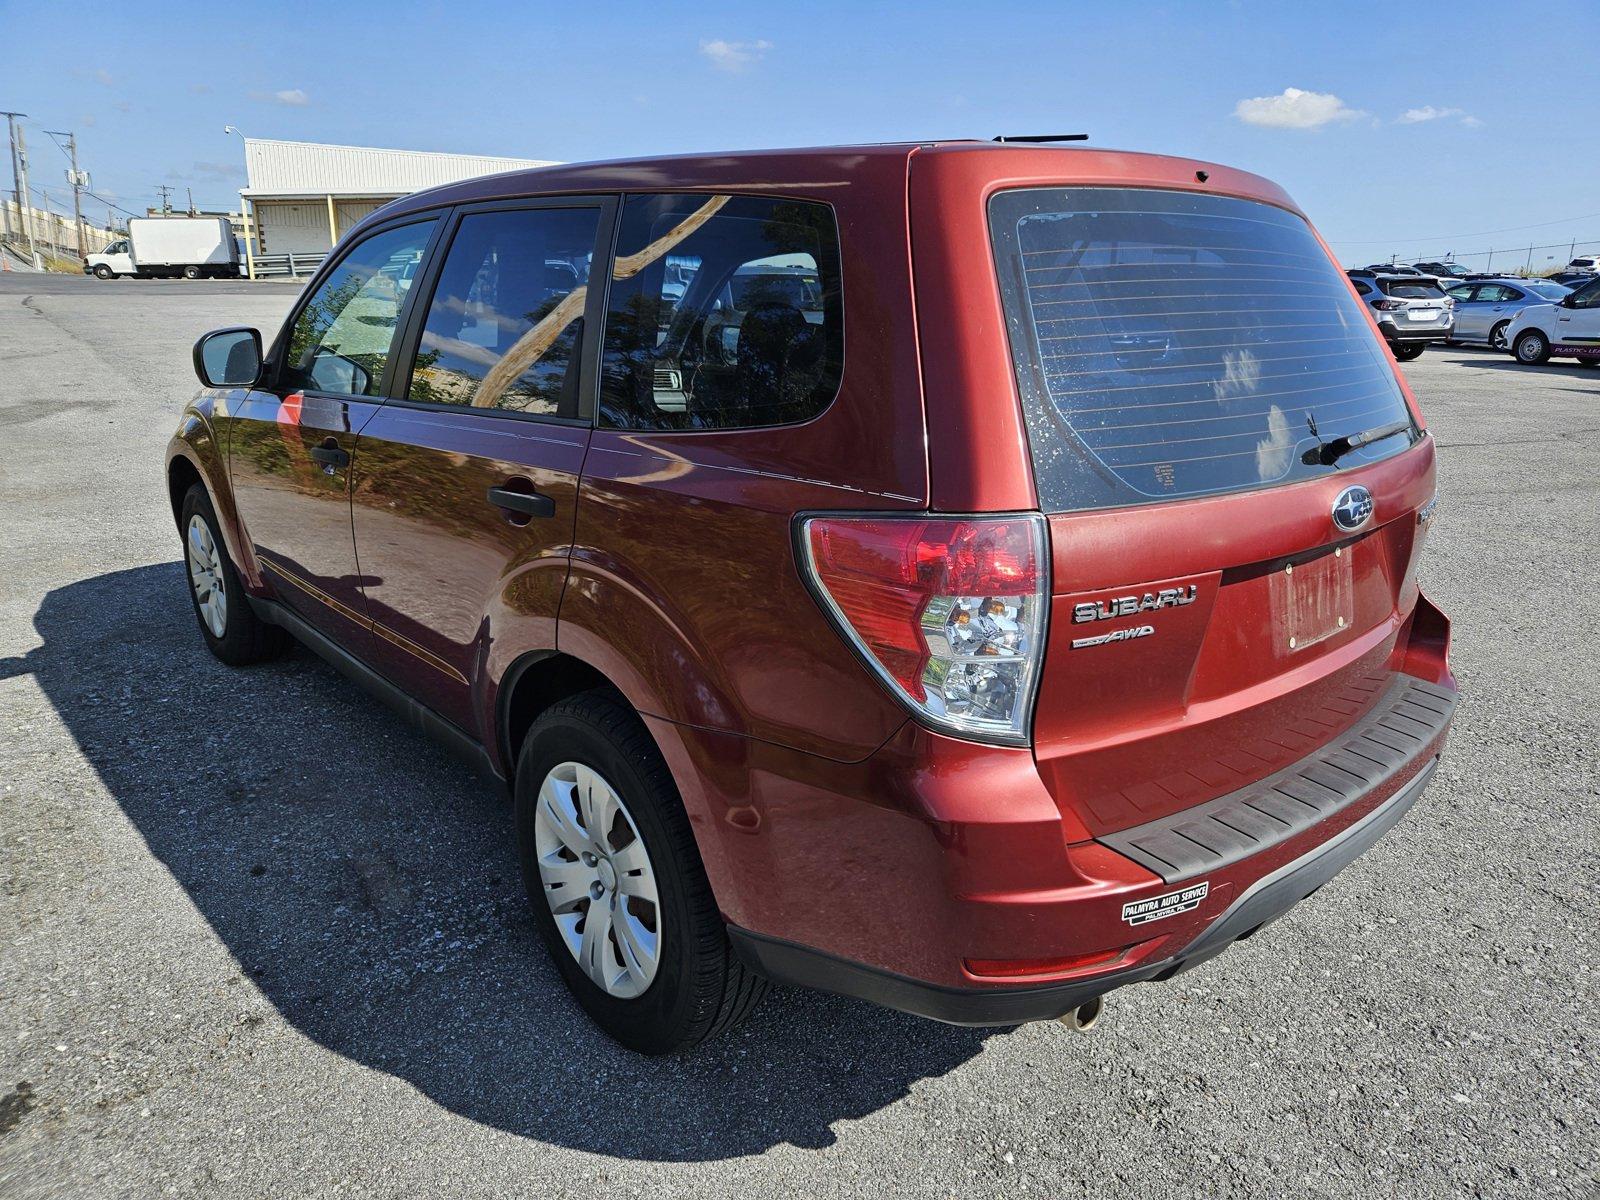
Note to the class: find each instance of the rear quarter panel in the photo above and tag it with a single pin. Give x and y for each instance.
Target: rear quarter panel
(684, 588)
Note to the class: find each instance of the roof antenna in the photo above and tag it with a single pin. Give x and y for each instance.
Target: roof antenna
(1043, 137)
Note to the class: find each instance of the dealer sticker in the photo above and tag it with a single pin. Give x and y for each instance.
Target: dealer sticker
(1156, 908)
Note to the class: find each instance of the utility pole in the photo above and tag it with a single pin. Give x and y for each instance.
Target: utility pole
(190, 193)
(166, 206)
(23, 194)
(16, 173)
(78, 180)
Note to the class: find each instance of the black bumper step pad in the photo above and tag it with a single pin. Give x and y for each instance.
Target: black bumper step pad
(1222, 831)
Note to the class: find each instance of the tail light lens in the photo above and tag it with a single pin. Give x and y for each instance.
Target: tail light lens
(1388, 305)
(948, 612)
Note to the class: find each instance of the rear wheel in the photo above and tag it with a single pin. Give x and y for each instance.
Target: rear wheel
(1532, 347)
(1405, 353)
(191, 272)
(229, 625)
(616, 883)
(1497, 336)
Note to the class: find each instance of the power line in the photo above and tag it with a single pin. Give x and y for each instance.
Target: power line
(1446, 237)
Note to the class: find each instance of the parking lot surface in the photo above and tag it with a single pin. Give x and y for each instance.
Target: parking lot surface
(258, 938)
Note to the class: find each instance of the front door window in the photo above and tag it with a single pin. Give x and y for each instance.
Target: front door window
(341, 339)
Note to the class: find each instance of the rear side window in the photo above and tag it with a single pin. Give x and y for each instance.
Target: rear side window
(724, 313)
(1169, 344)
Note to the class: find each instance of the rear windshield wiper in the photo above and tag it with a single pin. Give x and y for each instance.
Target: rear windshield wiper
(1331, 452)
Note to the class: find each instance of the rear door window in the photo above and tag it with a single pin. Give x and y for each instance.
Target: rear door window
(724, 313)
(505, 319)
(1170, 344)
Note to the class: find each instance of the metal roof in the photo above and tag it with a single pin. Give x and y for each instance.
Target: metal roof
(304, 169)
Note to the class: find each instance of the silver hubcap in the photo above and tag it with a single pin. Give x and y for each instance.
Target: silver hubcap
(1497, 338)
(205, 573)
(598, 880)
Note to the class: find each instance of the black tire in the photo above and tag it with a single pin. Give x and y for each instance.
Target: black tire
(700, 988)
(1531, 348)
(245, 637)
(1497, 336)
(1589, 362)
(101, 271)
(191, 272)
(1405, 353)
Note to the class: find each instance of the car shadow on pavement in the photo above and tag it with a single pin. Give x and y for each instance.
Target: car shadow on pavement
(366, 883)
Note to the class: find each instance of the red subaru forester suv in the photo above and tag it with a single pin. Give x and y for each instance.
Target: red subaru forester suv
(970, 577)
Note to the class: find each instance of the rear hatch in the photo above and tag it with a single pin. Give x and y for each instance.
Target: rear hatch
(1188, 365)
(1415, 303)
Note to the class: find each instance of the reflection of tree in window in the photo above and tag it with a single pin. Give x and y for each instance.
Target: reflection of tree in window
(340, 341)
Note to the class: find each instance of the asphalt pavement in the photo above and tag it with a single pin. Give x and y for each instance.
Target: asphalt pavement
(257, 938)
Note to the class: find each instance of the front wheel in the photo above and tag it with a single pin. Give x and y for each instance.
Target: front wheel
(1497, 336)
(229, 625)
(1405, 353)
(1532, 347)
(101, 271)
(617, 886)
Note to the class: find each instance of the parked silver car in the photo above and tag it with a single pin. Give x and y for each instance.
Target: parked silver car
(1410, 310)
(1484, 308)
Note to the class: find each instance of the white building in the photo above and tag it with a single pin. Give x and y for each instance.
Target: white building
(302, 196)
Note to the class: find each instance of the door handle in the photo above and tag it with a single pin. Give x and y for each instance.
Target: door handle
(532, 504)
(330, 454)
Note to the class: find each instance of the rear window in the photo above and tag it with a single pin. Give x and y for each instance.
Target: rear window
(1550, 291)
(1169, 344)
(1409, 289)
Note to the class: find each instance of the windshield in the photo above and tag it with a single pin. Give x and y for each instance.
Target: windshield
(1171, 344)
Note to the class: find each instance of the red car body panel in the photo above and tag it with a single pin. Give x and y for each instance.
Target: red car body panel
(825, 815)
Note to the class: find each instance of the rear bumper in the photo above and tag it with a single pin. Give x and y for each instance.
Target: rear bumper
(1409, 335)
(1267, 899)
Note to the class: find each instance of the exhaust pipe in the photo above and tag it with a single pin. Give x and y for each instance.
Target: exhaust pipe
(1086, 1016)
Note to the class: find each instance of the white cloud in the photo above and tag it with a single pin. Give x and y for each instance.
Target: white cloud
(1416, 116)
(293, 97)
(104, 76)
(734, 56)
(1295, 109)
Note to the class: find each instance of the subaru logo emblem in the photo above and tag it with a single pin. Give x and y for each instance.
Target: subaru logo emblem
(1353, 508)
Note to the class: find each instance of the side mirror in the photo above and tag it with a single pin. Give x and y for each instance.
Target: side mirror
(228, 357)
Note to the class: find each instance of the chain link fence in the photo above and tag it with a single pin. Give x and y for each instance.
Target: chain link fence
(1509, 260)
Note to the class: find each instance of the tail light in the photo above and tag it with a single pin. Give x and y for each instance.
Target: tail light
(948, 612)
(1388, 305)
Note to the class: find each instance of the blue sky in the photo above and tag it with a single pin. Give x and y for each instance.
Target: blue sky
(1418, 128)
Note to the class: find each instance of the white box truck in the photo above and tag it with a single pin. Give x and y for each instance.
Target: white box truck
(193, 247)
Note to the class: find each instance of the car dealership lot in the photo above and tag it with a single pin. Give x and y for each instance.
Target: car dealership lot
(258, 937)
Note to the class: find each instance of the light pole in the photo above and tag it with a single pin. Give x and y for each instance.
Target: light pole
(244, 212)
(77, 186)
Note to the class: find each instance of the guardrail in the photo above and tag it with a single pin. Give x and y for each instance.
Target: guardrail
(291, 266)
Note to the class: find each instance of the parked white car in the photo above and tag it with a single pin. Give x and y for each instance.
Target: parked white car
(1589, 264)
(1568, 328)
